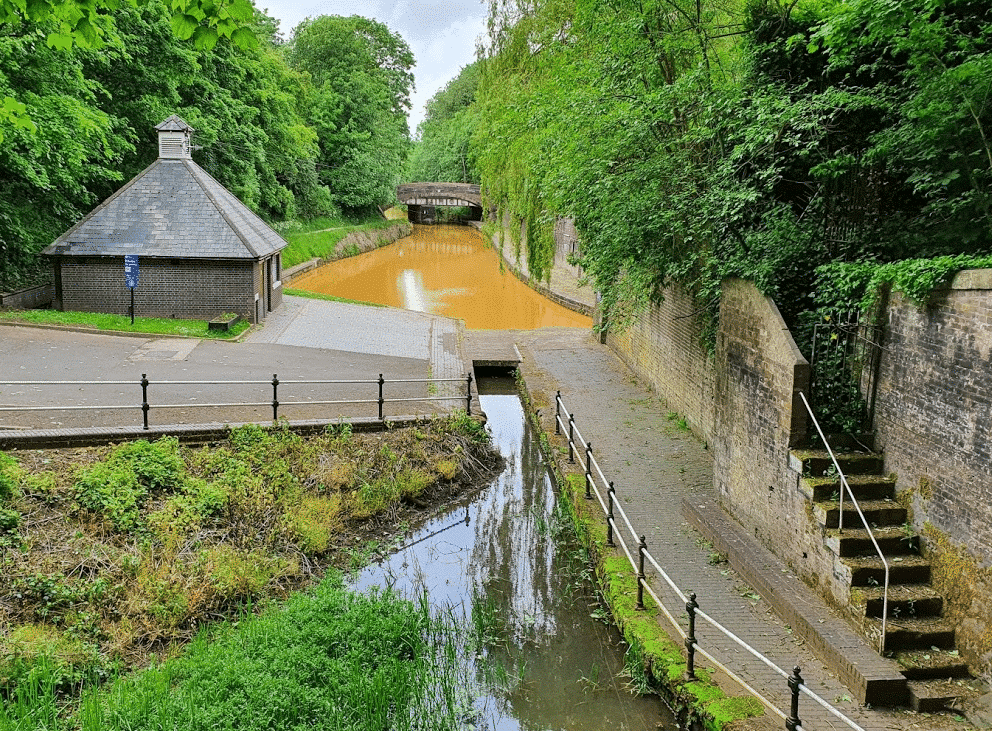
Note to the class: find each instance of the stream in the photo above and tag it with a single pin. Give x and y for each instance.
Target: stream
(553, 662)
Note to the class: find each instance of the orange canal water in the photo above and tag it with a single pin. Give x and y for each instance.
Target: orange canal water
(444, 270)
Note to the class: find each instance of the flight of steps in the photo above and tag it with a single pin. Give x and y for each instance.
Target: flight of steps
(916, 635)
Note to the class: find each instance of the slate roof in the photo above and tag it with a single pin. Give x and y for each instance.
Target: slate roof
(174, 123)
(172, 209)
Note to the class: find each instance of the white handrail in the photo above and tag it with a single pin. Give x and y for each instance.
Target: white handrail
(618, 534)
(840, 520)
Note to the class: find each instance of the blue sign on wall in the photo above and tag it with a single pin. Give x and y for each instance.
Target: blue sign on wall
(131, 270)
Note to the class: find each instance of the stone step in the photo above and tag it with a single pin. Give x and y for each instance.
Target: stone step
(877, 512)
(817, 462)
(905, 600)
(920, 633)
(931, 663)
(869, 571)
(864, 487)
(894, 541)
(933, 696)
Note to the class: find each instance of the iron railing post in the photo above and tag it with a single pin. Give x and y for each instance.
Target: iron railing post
(557, 412)
(571, 432)
(275, 397)
(588, 470)
(795, 680)
(641, 548)
(468, 395)
(690, 639)
(144, 399)
(609, 517)
(381, 381)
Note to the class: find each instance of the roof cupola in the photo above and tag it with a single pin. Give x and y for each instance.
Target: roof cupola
(174, 138)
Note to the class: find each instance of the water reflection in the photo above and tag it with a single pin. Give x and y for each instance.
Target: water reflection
(445, 270)
(501, 557)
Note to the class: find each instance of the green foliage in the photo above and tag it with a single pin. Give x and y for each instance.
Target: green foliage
(809, 133)
(11, 475)
(336, 658)
(119, 487)
(443, 153)
(361, 76)
(846, 283)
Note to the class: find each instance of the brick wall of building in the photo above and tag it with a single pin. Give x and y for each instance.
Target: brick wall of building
(933, 420)
(664, 347)
(188, 289)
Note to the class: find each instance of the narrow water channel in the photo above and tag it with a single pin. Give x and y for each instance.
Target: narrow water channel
(505, 553)
(444, 270)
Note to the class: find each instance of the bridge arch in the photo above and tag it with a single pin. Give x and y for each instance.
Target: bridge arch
(421, 199)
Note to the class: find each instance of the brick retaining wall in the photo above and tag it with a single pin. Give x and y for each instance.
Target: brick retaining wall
(934, 423)
(664, 347)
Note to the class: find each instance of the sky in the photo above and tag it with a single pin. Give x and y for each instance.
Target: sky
(441, 33)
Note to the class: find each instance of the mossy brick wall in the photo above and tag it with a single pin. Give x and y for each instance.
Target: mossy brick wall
(664, 347)
(166, 287)
(934, 423)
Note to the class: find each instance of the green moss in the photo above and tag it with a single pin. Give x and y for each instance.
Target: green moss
(726, 710)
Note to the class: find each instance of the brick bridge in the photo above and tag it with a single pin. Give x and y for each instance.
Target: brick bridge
(422, 199)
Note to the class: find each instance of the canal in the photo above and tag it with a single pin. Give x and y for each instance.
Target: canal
(444, 270)
(552, 662)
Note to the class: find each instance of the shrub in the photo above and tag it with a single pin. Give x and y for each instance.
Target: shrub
(112, 491)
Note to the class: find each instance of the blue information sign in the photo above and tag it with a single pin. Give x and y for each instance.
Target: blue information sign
(131, 270)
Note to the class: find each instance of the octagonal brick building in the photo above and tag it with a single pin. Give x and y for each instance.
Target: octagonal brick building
(201, 251)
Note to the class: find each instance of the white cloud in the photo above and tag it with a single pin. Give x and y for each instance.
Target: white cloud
(441, 33)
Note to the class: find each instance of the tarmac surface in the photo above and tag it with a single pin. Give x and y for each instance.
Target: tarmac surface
(655, 465)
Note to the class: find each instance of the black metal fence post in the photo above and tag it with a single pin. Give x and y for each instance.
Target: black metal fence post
(557, 412)
(690, 640)
(275, 397)
(795, 680)
(609, 517)
(588, 470)
(468, 394)
(381, 381)
(144, 398)
(571, 432)
(641, 548)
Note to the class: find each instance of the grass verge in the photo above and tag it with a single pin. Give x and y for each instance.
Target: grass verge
(331, 658)
(328, 297)
(319, 239)
(122, 323)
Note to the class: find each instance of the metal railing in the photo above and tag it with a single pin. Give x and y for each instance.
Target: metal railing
(613, 510)
(845, 488)
(146, 404)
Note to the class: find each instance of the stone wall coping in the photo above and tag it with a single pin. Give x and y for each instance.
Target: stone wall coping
(980, 279)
